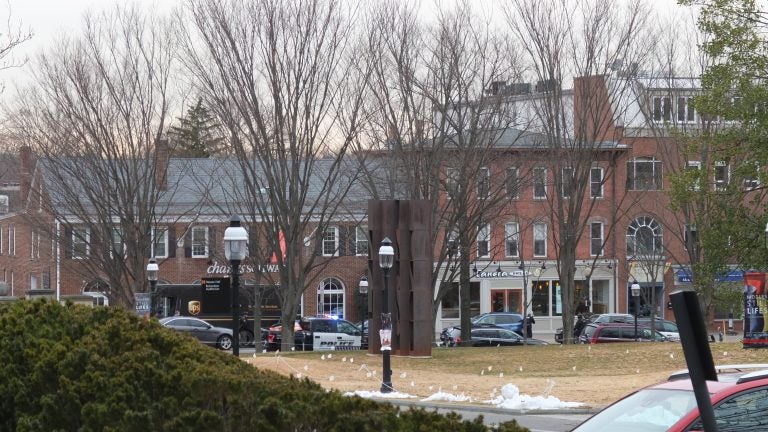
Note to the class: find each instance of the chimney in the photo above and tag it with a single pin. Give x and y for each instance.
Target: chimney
(25, 172)
(161, 164)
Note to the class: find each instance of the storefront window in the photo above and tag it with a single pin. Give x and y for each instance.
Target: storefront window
(557, 305)
(450, 302)
(540, 298)
(599, 296)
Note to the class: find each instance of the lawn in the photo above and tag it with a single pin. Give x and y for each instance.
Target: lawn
(591, 374)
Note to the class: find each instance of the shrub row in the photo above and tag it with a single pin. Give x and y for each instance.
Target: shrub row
(76, 368)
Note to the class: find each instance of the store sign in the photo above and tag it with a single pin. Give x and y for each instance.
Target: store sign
(503, 274)
(218, 269)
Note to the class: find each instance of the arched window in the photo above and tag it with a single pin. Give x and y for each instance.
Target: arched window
(330, 298)
(644, 237)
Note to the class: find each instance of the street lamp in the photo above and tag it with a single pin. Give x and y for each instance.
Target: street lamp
(636, 295)
(235, 249)
(386, 259)
(152, 271)
(363, 287)
(587, 271)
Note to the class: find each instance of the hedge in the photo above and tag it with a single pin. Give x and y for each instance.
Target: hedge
(77, 368)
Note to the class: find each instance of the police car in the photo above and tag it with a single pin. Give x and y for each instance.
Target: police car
(318, 334)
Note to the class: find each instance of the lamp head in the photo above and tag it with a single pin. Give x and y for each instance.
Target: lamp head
(235, 240)
(363, 285)
(386, 254)
(635, 287)
(152, 270)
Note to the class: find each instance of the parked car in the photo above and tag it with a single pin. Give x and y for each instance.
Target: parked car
(319, 334)
(582, 320)
(508, 320)
(618, 332)
(203, 331)
(739, 399)
(489, 336)
(363, 326)
(665, 327)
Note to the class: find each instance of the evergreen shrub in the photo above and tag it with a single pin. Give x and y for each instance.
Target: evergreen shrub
(77, 368)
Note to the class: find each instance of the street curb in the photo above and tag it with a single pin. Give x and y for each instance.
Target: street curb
(486, 408)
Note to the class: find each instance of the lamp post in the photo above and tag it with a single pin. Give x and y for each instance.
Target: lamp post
(587, 271)
(636, 295)
(363, 287)
(386, 259)
(152, 271)
(235, 249)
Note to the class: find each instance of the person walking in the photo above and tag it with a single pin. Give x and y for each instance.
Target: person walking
(529, 322)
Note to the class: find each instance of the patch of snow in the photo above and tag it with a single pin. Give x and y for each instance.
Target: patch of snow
(511, 398)
(379, 395)
(447, 397)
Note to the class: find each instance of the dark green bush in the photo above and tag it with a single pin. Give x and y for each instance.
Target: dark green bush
(75, 368)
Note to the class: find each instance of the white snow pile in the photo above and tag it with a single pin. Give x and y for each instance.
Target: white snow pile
(378, 394)
(447, 397)
(511, 398)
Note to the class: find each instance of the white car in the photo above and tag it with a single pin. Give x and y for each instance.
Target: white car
(665, 327)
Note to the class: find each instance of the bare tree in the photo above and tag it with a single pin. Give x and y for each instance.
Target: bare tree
(593, 42)
(96, 111)
(284, 85)
(437, 106)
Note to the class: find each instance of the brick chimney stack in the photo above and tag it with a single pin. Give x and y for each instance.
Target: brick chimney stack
(161, 164)
(25, 172)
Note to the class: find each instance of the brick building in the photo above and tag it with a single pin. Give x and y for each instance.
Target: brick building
(514, 262)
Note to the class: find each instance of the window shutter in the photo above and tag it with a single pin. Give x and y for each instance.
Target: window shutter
(171, 242)
(212, 246)
(342, 240)
(188, 243)
(319, 241)
(67, 243)
(94, 242)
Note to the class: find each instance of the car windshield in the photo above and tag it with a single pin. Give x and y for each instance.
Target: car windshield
(645, 411)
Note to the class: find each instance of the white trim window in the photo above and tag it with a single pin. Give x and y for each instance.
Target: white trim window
(160, 242)
(686, 113)
(722, 175)
(540, 239)
(331, 241)
(752, 176)
(596, 181)
(200, 242)
(596, 238)
(513, 183)
(539, 183)
(81, 242)
(452, 243)
(512, 240)
(644, 174)
(361, 241)
(484, 241)
(34, 245)
(644, 237)
(566, 181)
(330, 298)
(483, 183)
(118, 242)
(662, 109)
(694, 170)
(452, 183)
(1, 240)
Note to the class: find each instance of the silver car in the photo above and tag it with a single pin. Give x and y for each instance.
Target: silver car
(206, 333)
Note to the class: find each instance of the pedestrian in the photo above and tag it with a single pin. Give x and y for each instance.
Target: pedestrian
(529, 322)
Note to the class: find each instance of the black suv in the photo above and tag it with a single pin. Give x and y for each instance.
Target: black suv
(583, 319)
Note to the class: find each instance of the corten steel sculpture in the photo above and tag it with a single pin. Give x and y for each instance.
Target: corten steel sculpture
(407, 223)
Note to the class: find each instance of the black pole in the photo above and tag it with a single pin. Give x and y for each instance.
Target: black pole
(386, 383)
(236, 307)
(637, 308)
(152, 291)
(698, 356)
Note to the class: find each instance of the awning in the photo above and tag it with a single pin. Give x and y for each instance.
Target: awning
(684, 276)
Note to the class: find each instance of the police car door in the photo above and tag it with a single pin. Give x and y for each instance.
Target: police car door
(328, 335)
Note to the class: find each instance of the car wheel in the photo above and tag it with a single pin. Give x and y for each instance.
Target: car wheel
(225, 342)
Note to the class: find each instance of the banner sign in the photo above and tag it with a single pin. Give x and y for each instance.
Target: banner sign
(215, 297)
(755, 307)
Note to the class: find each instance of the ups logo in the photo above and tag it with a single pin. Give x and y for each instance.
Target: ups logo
(193, 307)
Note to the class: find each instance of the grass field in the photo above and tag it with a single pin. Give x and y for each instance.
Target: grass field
(592, 374)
